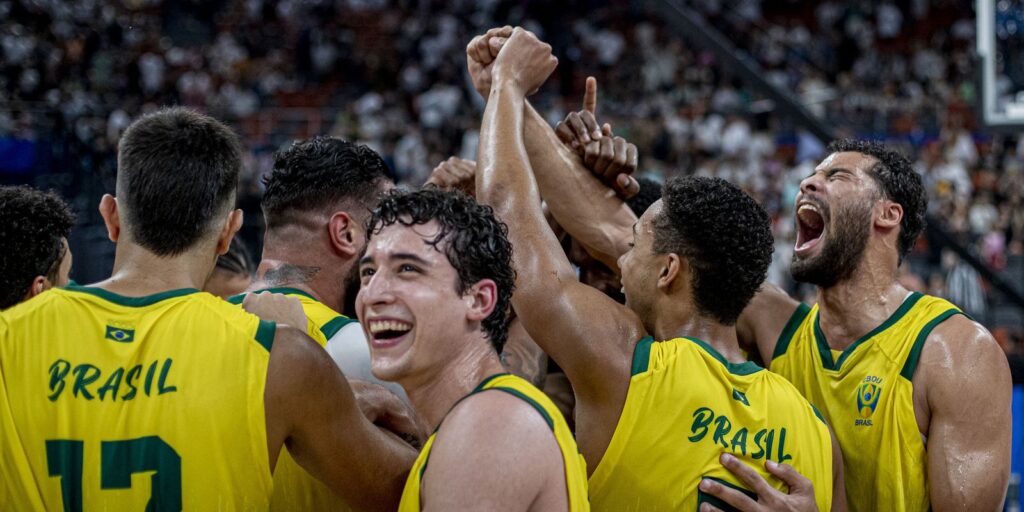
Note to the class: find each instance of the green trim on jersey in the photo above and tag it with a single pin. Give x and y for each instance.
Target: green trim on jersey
(915, 352)
(818, 413)
(797, 318)
(826, 351)
(331, 328)
(641, 355)
(132, 302)
(237, 299)
(265, 334)
(744, 368)
(532, 402)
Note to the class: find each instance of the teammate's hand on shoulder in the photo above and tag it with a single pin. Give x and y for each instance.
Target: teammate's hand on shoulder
(384, 409)
(610, 158)
(480, 54)
(276, 307)
(524, 61)
(800, 497)
(454, 174)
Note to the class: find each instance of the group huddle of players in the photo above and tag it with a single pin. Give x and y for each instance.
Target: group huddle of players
(142, 391)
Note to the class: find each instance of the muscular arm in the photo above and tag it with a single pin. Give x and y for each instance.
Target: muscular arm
(325, 431)
(588, 210)
(522, 356)
(589, 335)
(967, 383)
(763, 320)
(500, 431)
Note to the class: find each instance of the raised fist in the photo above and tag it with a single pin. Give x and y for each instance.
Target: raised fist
(524, 61)
(480, 54)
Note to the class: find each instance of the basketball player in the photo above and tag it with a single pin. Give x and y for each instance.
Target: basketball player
(434, 302)
(653, 416)
(142, 373)
(916, 391)
(34, 226)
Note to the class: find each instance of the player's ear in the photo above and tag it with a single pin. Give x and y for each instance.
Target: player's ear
(482, 298)
(227, 233)
(344, 233)
(111, 217)
(39, 285)
(671, 269)
(891, 214)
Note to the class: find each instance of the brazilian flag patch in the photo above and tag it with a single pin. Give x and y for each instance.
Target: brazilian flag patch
(120, 335)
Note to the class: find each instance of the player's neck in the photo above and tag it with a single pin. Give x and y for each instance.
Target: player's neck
(852, 308)
(138, 272)
(323, 282)
(720, 337)
(434, 395)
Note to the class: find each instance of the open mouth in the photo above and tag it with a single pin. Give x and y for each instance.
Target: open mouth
(386, 333)
(810, 226)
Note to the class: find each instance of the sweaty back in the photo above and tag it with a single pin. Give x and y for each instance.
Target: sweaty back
(686, 405)
(116, 403)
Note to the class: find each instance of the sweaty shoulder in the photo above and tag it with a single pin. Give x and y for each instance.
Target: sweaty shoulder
(957, 345)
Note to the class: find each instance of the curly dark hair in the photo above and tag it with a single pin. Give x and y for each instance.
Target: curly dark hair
(898, 182)
(650, 192)
(32, 226)
(471, 237)
(724, 235)
(319, 173)
(177, 170)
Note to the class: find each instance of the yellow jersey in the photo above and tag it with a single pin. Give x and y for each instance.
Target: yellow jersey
(575, 466)
(867, 395)
(685, 406)
(110, 402)
(294, 488)
(322, 322)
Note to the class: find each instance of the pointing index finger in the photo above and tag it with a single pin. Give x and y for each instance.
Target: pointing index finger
(590, 96)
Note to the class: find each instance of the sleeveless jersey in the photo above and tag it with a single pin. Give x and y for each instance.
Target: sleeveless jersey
(866, 393)
(575, 466)
(110, 402)
(685, 406)
(322, 322)
(294, 488)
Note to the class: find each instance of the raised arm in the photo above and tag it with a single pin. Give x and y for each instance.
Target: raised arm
(589, 335)
(586, 208)
(325, 431)
(967, 382)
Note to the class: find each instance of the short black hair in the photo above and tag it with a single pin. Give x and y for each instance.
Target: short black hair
(177, 169)
(650, 192)
(471, 237)
(237, 260)
(318, 173)
(898, 181)
(33, 225)
(724, 235)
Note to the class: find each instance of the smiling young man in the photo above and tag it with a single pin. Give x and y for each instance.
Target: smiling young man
(916, 391)
(436, 287)
(654, 416)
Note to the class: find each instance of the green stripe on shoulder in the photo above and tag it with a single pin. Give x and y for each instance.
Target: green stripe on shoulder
(789, 331)
(641, 356)
(520, 394)
(236, 299)
(265, 334)
(332, 327)
(915, 352)
(818, 413)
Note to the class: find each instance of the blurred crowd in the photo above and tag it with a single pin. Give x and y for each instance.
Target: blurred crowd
(391, 74)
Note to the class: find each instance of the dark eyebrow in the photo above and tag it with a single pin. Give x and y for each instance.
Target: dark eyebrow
(407, 256)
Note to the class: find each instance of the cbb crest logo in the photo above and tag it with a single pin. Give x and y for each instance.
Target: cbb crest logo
(867, 398)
